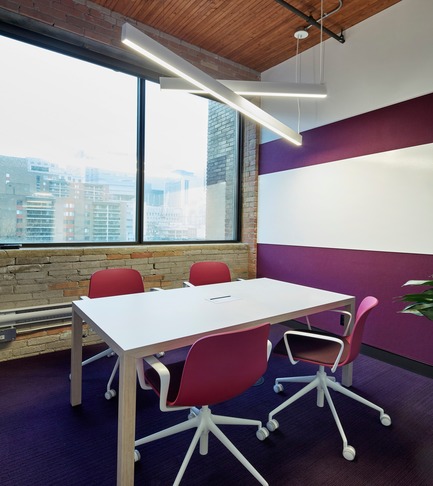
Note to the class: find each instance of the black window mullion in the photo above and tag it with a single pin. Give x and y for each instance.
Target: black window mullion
(139, 211)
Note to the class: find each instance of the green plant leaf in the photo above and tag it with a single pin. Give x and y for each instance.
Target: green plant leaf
(414, 312)
(428, 313)
(422, 301)
(418, 282)
(426, 296)
(425, 309)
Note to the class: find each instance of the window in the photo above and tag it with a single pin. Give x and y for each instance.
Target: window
(191, 167)
(71, 139)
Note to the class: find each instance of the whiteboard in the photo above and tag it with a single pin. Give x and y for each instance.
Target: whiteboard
(381, 202)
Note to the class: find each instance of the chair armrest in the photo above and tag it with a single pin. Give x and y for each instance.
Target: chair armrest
(187, 284)
(269, 351)
(319, 337)
(164, 376)
(349, 322)
(140, 374)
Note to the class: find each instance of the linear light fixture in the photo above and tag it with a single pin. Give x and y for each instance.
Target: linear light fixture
(253, 88)
(158, 53)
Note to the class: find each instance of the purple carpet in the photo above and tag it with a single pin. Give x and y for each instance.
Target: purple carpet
(44, 441)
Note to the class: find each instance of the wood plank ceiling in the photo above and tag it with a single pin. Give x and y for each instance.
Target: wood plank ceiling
(258, 34)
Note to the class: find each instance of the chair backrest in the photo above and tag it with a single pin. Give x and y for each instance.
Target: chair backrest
(205, 273)
(355, 337)
(222, 366)
(115, 281)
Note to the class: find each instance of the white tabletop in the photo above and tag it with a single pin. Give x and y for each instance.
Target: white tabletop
(146, 323)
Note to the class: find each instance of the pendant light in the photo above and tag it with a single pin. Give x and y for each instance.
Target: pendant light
(156, 52)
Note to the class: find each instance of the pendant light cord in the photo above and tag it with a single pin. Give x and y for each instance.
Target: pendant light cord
(298, 80)
(321, 77)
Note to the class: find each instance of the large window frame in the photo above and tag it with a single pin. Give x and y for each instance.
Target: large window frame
(109, 60)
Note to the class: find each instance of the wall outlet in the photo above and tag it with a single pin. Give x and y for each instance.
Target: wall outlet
(7, 335)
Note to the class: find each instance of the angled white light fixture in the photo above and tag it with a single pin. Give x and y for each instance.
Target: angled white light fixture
(158, 53)
(253, 88)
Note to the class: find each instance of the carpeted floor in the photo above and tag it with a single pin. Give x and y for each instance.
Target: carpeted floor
(44, 441)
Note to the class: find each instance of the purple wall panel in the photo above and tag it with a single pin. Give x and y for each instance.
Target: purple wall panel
(361, 273)
(352, 271)
(402, 125)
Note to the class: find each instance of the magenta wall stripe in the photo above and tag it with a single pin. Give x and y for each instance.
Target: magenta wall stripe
(402, 125)
(360, 273)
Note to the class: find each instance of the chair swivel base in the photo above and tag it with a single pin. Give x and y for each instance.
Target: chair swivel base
(206, 422)
(321, 381)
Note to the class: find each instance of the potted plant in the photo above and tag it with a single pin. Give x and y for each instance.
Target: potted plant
(421, 304)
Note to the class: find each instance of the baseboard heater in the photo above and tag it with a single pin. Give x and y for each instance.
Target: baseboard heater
(27, 316)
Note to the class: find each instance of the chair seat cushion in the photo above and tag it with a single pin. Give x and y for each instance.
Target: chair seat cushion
(313, 350)
(175, 369)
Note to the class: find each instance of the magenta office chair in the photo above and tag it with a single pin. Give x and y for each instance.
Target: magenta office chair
(205, 273)
(217, 368)
(327, 352)
(107, 283)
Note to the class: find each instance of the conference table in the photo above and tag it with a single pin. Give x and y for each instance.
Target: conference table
(139, 325)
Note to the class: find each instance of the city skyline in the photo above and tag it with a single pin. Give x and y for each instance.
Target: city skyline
(40, 201)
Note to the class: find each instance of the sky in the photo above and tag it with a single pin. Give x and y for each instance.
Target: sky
(70, 112)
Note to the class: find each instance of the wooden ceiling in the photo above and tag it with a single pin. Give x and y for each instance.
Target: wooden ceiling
(258, 34)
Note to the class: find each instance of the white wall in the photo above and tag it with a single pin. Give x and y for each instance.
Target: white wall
(385, 60)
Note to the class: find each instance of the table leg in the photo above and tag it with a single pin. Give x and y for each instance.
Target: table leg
(126, 420)
(346, 378)
(76, 358)
(347, 371)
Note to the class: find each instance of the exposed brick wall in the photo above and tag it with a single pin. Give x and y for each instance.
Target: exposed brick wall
(250, 194)
(32, 277)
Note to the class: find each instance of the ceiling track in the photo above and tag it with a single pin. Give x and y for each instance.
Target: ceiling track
(311, 21)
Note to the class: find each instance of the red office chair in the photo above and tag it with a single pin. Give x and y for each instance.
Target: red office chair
(330, 352)
(205, 273)
(107, 283)
(217, 368)
(115, 281)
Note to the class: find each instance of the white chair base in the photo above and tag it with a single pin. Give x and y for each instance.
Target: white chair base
(205, 422)
(108, 352)
(321, 381)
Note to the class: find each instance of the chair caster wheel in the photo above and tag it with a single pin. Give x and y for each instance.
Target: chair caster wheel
(109, 394)
(262, 433)
(349, 453)
(272, 425)
(278, 388)
(385, 419)
(137, 456)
